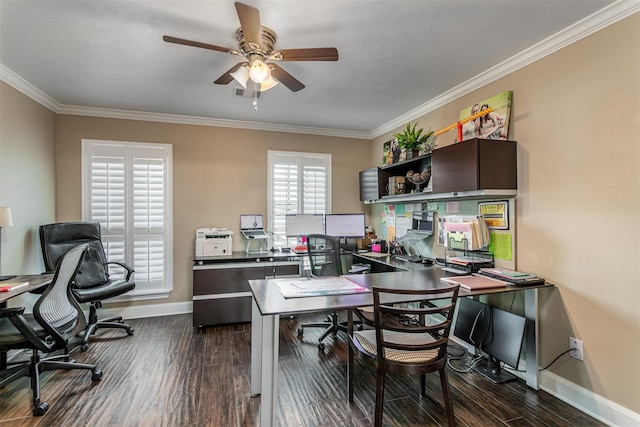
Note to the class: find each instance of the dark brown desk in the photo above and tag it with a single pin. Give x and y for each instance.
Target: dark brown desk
(269, 304)
(35, 281)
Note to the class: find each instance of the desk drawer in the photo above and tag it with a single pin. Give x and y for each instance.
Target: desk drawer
(221, 310)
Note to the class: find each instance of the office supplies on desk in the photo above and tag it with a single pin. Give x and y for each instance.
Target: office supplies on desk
(475, 282)
(516, 278)
(10, 286)
(300, 288)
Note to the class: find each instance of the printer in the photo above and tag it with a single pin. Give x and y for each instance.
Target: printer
(213, 242)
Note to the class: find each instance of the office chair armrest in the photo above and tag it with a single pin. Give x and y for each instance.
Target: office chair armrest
(11, 311)
(123, 265)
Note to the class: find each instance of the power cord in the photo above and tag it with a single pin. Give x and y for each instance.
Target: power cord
(558, 357)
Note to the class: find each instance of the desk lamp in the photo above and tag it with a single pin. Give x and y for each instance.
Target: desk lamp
(5, 221)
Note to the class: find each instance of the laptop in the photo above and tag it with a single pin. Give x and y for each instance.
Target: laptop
(251, 226)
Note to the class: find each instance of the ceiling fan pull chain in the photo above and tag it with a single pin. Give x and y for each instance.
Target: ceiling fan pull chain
(255, 96)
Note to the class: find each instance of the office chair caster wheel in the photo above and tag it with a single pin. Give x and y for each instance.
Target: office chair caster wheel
(96, 375)
(300, 332)
(130, 331)
(321, 347)
(40, 409)
(84, 347)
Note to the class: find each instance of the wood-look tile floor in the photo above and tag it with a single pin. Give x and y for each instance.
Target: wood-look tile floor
(170, 374)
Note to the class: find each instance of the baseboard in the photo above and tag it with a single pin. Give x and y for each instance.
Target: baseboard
(588, 402)
(151, 310)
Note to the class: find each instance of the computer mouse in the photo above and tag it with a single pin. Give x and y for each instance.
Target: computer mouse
(427, 261)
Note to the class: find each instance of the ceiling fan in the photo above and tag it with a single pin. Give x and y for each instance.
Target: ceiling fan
(256, 44)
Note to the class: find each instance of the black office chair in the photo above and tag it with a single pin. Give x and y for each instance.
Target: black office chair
(57, 317)
(93, 283)
(325, 261)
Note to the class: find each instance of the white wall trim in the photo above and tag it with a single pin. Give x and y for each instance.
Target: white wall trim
(148, 310)
(603, 18)
(587, 401)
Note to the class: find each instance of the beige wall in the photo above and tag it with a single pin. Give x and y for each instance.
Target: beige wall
(218, 174)
(575, 117)
(27, 178)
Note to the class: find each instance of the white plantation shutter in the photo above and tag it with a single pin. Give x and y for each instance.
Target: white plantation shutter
(298, 183)
(127, 188)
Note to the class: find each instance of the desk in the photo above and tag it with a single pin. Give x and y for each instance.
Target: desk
(35, 281)
(268, 305)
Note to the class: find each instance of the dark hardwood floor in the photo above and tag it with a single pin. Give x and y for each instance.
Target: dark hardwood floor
(169, 374)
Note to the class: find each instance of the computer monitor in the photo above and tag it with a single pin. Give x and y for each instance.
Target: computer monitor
(496, 332)
(345, 225)
(422, 222)
(304, 224)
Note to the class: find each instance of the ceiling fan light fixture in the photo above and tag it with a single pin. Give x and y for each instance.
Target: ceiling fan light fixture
(241, 75)
(259, 71)
(268, 84)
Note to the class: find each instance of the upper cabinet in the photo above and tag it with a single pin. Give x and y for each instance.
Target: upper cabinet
(475, 164)
(475, 168)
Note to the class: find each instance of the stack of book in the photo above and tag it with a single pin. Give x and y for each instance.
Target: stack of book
(517, 278)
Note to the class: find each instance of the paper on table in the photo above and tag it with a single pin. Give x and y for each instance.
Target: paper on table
(10, 286)
(297, 288)
(475, 282)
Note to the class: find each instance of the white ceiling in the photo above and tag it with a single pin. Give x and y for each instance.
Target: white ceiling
(397, 57)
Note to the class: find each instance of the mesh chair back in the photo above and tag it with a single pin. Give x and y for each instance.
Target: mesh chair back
(324, 255)
(412, 326)
(57, 239)
(56, 310)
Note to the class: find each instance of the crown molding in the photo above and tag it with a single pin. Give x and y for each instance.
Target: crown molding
(206, 121)
(587, 26)
(26, 88)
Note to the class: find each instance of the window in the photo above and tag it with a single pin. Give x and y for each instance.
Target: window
(299, 183)
(126, 187)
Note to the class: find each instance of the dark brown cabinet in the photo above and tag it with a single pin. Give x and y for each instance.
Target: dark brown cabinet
(221, 293)
(475, 164)
(473, 168)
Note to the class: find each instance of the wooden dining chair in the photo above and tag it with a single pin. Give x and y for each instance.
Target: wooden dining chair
(410, 336)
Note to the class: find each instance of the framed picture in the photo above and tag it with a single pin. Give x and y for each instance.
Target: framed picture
(494, 125)
(391, 152)
(496, 214)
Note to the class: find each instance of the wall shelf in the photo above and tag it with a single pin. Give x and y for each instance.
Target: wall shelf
(471, 169)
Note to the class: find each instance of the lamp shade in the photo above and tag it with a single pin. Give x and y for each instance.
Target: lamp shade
(259, 71)
(241, 75)
(5, 217)
(271, 82)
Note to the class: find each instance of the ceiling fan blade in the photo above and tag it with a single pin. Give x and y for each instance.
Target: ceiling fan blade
(285, 78)
(311, 54)
(185, 42)
(249, 18)
(227, 78)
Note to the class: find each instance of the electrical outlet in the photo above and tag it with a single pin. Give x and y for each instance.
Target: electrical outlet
(578, 349)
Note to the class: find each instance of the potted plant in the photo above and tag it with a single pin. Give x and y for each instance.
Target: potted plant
(412, 140)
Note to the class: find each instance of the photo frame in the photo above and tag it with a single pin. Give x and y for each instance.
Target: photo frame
(494, 125)
(392, 153)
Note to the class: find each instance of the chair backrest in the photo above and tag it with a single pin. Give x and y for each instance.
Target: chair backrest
(324, 255)
(425, 314)
(57, 239)
(56, 310)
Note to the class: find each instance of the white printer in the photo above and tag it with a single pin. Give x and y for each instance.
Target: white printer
(213, 242)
